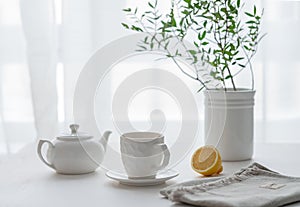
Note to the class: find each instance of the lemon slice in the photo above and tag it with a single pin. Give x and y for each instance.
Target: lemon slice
(207, 161)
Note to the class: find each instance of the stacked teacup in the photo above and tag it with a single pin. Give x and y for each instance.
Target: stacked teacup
(143, 154)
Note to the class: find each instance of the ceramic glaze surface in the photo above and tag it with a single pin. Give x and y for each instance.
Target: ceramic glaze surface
(160, 178)
(229, 123)
(143, 154)
(74, 154)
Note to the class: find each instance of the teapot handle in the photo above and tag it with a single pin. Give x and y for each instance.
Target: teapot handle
(39, 151)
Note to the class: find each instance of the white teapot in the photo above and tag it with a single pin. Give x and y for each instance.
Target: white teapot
(74, 153)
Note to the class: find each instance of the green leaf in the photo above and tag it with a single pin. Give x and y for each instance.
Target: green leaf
(135, 28)
(223, 10)
(247, 48)
(254, 10)
(248, 14)
(228, 53)
(193, 52)
(251, 22)
(185, 12)
(151, 45)
(238, 3)
(127, 10)
(218, 15)
(219, 78)
(143, 47)
(125, 25)
(173, 21)
(213, 64)
(227, 77)
(146, 40)
(253, 27)
(150, 5)
(216, 51)
(214, 73)
(158, 17)
(189, 3)
(204, 43)
(235, 53)
(202, 36)
(149, 20)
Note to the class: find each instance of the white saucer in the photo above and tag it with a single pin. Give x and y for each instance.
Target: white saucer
(160, 178)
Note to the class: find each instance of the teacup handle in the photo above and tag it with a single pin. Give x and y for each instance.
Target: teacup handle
(39, 151)
(166, 152)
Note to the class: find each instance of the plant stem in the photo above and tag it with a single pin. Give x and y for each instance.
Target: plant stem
(172, 57)
(231, 78)
(222, 37)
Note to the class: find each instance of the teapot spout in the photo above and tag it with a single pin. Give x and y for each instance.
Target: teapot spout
(104, 139)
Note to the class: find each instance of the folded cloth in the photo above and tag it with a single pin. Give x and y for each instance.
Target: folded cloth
(254, 186)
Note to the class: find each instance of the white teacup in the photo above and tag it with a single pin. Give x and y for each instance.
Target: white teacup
(143, 154)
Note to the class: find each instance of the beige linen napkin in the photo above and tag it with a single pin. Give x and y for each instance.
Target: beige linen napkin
(254, 186)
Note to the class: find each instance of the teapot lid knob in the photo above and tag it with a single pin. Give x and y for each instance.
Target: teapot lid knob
(74, 128)
(75, 134)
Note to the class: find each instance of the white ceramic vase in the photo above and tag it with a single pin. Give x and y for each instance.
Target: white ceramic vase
(229, 122)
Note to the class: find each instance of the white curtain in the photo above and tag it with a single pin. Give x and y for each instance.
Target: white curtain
(39, 29)
(45, 44)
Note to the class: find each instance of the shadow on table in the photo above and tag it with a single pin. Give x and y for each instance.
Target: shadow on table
(64, 177)
(179, 205)
(118, 185)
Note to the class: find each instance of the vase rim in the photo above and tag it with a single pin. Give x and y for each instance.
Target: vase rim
(231, 90)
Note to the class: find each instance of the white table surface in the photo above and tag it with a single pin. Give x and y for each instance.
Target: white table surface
(26, 181)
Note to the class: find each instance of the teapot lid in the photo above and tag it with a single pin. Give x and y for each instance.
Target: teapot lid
(75, 135)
